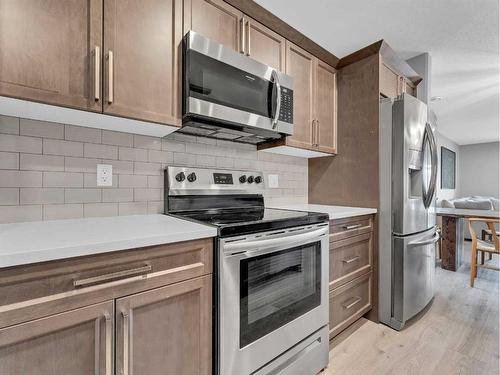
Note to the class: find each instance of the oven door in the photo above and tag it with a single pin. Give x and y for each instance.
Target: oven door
(220, 83)
(273, 294)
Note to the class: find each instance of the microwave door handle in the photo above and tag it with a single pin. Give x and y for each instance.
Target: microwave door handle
(275, 79)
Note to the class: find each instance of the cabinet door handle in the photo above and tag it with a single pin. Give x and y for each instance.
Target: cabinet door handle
(349, 227)
(350, 260)
(317, 133)
(111, 276)
(111, 88)
(109, 344)
(354, 301)
(248, 38)
(97, 73)
(313, 133)
(242, 36)
(126, 342)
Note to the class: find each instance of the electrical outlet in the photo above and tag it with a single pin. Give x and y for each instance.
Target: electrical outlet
(104, 175)
(273, 181)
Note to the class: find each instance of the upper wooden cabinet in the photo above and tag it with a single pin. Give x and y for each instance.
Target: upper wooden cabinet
(50, 52)
(77, 342)
(264, 45)
(314, 105)
(326, 108)
(393, 84)
(141, 73)
(215, 20)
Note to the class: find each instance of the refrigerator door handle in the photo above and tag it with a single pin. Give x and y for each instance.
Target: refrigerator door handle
(429, 241)
(428, 192)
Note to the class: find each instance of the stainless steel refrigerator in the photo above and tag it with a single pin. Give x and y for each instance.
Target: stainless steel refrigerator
(407, 226)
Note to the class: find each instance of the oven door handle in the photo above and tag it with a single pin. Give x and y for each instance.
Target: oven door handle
(258, 245)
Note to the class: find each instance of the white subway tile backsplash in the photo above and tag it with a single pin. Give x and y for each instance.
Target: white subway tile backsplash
(62, 211)
(9, 160)
(35, 128)
(91, 150)
(117, 138)
(9, 196)
(82, 134)
(61, 182)
(82, 195)
(62, 179)
(9, 125)
(32, 162)
(58, 147)
(10, 178)
(16, 143)
(41, 195)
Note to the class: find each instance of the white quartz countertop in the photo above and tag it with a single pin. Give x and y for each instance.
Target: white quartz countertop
(335, 212)
(464, 212)
(31, 242)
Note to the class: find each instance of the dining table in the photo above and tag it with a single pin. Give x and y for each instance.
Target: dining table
(452, 233)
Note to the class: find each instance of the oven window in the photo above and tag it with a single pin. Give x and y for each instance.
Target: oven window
(277, 288)
(219, 83)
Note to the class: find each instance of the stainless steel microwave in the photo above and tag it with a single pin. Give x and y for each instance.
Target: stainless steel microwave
(228, 95)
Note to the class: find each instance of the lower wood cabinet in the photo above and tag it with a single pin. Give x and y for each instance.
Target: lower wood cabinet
(166, 330)
(63, 317)
(351, 268)
(77, 342)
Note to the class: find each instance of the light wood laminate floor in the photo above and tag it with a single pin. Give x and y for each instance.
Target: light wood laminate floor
(457, 334)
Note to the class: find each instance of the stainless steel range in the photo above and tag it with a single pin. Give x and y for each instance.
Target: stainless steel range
(271, 284)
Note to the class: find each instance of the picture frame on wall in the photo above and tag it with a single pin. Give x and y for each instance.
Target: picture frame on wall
(448, 168)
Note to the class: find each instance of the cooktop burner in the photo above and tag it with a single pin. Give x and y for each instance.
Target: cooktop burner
(227, 200)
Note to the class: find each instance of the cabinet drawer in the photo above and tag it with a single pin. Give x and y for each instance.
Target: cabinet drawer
(353, 226)
(350, 302)
(33, 291)
(349, 259)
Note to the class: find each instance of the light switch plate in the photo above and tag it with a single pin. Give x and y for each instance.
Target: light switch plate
(104, 175)
(272, 181)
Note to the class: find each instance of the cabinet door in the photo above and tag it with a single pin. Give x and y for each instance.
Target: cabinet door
(264, 45)
(166, 330)
(77, 342)
(389, 82)
(326, 108)
(301, 66)
(142, 43)
(215, 20)
(47, 51)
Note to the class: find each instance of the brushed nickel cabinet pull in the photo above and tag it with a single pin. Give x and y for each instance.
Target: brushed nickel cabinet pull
(317, 133)
(97, 73)
(350, 260)
(349, 227)
(126, 342)
(313, 133)
(109, 344)
(355, 301)
(242, 36)
(111, 88)
(248, 38)
(111, 276)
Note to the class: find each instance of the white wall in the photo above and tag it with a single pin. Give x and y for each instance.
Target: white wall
(441, 140)
(479, 169)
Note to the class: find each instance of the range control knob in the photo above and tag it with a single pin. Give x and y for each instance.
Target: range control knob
(191, 177)
(258, 180)
(243, 179)
(180, 176)
(250, 179)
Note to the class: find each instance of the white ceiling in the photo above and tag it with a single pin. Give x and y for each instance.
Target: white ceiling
(462, 37)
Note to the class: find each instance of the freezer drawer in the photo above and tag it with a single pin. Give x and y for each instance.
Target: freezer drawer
(413, 275)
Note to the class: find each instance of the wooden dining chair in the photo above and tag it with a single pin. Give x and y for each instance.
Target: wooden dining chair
(490, 247)
(486, 233)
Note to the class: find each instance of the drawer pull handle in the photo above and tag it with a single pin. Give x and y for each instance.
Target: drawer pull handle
(350, 260)
(354, 302)
(349, 227)
(111, 276)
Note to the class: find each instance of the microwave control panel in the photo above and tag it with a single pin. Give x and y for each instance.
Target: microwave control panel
(286, 110)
